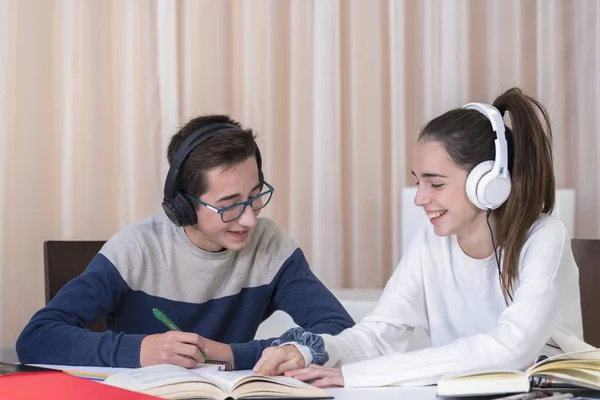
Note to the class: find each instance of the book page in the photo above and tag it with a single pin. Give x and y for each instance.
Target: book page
(228, 380)
(593, 354)
(566, 360)
(154, 376)
(224, 379)
(483, 373)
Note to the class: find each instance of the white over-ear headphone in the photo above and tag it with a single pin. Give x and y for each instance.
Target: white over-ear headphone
(488, 184)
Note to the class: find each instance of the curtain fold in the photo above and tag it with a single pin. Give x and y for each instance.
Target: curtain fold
(91, 92)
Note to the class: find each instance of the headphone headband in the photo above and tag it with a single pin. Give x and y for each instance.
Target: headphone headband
(184, 150)
(488, 183)
(493, 115)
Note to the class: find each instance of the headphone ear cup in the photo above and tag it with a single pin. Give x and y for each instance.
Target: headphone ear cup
(186, 212)
(179, 210)
(473, 182)
(493, 190)
(170, 212)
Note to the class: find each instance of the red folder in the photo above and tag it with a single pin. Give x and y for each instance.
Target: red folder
(60, 386)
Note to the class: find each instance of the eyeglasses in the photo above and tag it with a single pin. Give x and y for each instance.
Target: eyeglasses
(235, 211)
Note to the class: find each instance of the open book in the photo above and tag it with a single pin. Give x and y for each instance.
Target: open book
(579, 369)
(174, 382)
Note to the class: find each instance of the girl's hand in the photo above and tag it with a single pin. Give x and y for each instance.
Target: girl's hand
(325, 377)
(277, 360)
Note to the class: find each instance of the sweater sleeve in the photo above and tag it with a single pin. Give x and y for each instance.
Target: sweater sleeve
(299, 293)
(388, 329)
(521, 332)
(57, 333)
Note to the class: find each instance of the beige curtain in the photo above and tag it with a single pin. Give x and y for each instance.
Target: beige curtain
(91, 91)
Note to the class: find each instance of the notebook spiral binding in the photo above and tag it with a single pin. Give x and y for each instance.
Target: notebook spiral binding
(226, 365)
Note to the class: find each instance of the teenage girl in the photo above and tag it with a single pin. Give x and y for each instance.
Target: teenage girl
(491, 278)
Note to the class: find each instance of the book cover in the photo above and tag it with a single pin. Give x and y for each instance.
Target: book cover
(570, 370)
(57, 385)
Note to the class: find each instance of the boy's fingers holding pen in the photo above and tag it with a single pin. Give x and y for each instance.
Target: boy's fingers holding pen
(190, 351)
(194, 348)
(171, 348)
(183, 361)
(193, 339)
(188, 337)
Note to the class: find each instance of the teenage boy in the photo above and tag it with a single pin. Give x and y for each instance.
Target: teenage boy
(207, 262)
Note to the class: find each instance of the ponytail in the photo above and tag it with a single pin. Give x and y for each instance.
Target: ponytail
(532, 177)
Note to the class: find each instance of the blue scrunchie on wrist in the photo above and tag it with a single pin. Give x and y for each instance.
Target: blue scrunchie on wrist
(314, 342)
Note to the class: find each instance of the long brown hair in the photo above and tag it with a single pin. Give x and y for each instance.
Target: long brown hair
(468, 138)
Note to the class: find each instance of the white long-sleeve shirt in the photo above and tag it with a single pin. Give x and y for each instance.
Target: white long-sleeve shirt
(458, 301)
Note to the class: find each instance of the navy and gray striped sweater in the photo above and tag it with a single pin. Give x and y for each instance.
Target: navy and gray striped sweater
(152, 264)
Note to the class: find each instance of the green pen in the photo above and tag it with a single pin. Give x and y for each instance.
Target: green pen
(169, 324)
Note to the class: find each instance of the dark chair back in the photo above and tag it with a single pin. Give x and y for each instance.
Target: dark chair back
(587, 257)
(65, 260)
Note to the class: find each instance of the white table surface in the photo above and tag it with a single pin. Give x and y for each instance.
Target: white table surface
(383, 393)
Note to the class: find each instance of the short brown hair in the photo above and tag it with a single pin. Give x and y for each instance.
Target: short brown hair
(225, 149)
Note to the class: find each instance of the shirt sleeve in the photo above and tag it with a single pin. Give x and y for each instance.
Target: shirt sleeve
(57, 333)
(388, 329)
(521, 332)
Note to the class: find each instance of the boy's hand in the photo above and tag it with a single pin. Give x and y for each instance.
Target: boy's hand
(179, 348)
(277, 360)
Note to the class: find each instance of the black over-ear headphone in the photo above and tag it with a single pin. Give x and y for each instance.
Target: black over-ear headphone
(177, 207)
